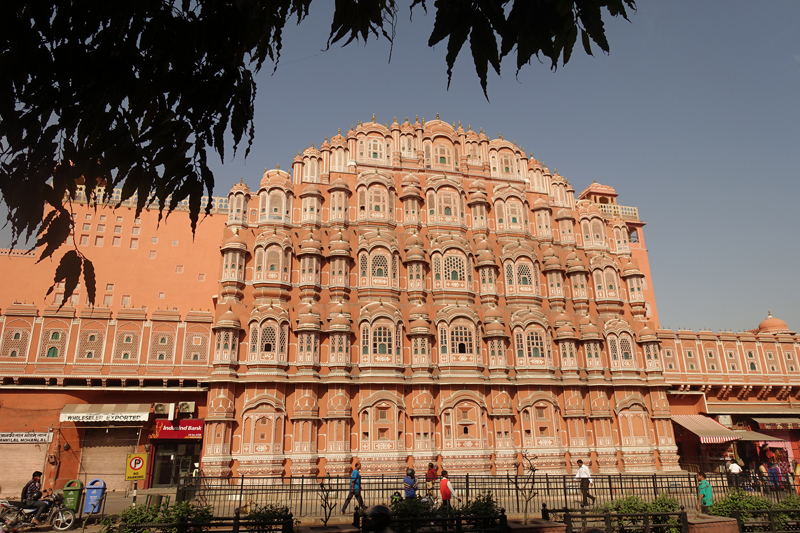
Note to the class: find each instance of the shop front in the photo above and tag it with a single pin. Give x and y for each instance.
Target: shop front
(175, 448)
(109, 433)
(703, 443)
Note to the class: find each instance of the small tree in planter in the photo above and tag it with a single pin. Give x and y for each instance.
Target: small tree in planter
(525, 483)
(327, 494)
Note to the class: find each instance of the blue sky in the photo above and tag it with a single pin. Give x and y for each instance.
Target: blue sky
(694, 117)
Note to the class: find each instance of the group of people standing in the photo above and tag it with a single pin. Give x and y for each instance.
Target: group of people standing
(410, 486)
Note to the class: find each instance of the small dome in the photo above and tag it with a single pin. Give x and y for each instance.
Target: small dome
(495, 327)
(772, 325)
(563, 214)
(339, 184)
(235, 241)
(540, 204)
(419, 310)
(229, 320)
(340, 321)
(493, 314)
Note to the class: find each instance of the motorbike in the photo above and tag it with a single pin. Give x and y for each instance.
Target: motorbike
(16, 515)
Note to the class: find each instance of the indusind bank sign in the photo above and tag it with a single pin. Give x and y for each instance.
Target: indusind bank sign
(177, 429)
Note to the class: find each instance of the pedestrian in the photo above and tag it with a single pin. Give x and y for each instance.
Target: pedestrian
(734, 470)
(585, 477)
(430, 479)
(796, 473)
(704, 493)
(410, 484)
(355, 488)
(447, 490)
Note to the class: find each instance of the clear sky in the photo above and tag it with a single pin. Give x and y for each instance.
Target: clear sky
(694, 117)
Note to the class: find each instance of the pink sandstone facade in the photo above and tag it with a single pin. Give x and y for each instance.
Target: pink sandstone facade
(410, 293)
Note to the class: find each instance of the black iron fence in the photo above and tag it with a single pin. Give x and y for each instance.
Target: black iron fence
(628, 522)
(772, 520)
(218, 525)
(453, 523)
(304, 495)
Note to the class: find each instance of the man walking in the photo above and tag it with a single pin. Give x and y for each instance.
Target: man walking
(430, 479)
(447, 490)
(355, 488)
(585, 477)
(704, 493)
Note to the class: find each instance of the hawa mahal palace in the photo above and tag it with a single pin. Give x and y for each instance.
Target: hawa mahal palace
(408, 293)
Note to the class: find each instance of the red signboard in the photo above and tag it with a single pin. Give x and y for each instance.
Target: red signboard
(177, 429)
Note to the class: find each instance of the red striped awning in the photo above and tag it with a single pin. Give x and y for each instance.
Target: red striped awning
(709, 430)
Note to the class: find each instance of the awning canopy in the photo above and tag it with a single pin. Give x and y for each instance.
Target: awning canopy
(710, 431)
(756, 410)
(105, 412)
(778, 423)
(755, 435)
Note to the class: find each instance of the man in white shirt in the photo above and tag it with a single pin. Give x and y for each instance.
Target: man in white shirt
(585, 477)
(734, 470)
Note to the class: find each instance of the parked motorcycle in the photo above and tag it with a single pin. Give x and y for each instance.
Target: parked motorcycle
(16, 515)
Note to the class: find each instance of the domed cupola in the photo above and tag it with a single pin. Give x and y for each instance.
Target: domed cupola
(238, 201)
(772, 325)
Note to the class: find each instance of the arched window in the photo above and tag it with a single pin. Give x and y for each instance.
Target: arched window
(524, 274)
(375, 149)
(381, 340)
(16, 336)
(275, 205)
(535, 344)
(437, 268)
(454, 268)
(461, 339)
(610, 279)
(363, 265)
(268, 336)
(380, 266)
(500, 213)
(752, 365)
(443, 340)
(365, 340)
(625, 345)
(55, 336)
(509, 274)
(612, 346)
(597, 232)
(52, 351)
(514, 212)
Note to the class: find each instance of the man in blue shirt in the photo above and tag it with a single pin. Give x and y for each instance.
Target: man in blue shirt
(410, 484)
(355, 488)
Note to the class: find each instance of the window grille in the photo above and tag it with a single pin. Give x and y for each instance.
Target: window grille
(461, 339)
(535, 344)
(363, 263)
(612, 344)
(380, 266)
(365, 340)
(509, 274)
(524, 274)
(268, 339)
(382, 340)
(454, 267)
(15, 342)
(437, 268)
(443, 340)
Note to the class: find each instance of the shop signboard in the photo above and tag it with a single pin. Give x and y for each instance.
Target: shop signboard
(26, 437)
(191, 428)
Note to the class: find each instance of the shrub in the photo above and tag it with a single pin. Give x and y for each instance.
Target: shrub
(739, 500)
(267, 513)
(185, 512)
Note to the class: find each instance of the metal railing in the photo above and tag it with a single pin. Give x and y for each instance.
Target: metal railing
(454, 522)
(628, 522)
(219, 525)
(772, 520)
(303, 495)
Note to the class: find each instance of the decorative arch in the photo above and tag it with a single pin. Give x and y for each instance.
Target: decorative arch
(382, 396)
(264, 399)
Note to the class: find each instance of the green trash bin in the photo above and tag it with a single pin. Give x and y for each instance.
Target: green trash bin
(72, 494)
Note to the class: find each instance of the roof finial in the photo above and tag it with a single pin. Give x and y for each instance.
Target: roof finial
(437, 116)
(373, 117)
(500, 135)
(338, 131)
(769, 313)
(278, 166)
(240, 180)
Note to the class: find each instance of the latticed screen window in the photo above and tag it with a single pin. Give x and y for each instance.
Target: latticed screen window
(597, 230)
(625, 344)
(509, 274)
(612, 345)
(394, 267)
(365, 340)
(513, 209)
(447, 204)
(454, 267)
(500, 215)
(398, 335)
(377, 202)
(273, 258)
(535, 344)
(592, 350)
(15, 343)
(610, 280)
(520, 346)
(362, 199)
(437, 268)
(461, 339)
(443, 340)
(431, 204)
(268, 339)
(524, 274)
(380, 266)
(275, 206)
(363, 264)
(382, 340)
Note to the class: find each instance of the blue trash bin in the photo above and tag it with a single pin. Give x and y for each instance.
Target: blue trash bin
(94, 495)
